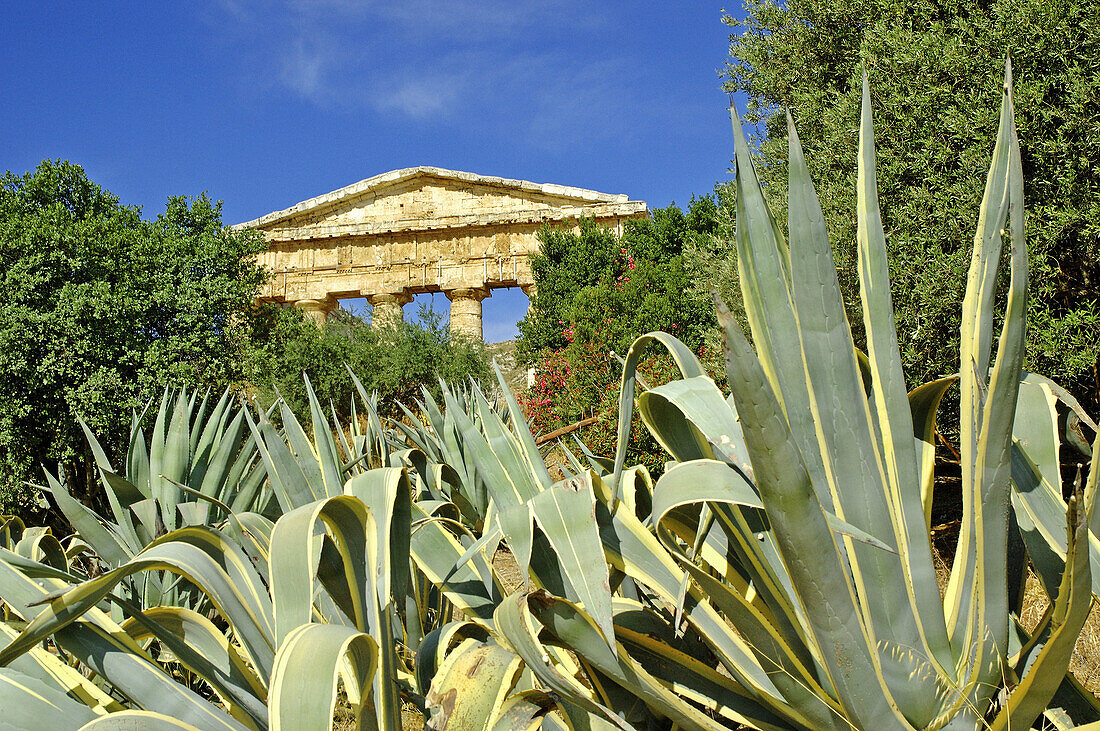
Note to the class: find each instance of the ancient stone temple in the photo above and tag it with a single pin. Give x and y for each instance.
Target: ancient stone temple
(416, 230)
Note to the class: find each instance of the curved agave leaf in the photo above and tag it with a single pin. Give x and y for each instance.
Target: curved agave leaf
(471, 686)
(130, 720)
(311, 660)
(29, 702)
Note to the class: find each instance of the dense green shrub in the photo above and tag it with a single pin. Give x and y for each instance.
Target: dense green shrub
(936, 68)
(100, 308)
(394, 361)
(594, 285)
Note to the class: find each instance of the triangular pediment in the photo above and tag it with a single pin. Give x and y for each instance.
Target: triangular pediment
(432, 197)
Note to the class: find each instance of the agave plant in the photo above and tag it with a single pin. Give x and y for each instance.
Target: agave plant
(780, 573)
(318, 611)
(198, 466)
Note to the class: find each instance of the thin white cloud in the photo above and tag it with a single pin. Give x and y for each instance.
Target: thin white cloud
(304, 69)
(438, 60)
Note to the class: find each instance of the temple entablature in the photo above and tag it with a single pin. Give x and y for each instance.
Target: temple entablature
(418, 230)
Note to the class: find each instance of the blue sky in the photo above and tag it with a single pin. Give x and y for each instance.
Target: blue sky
(266, 103)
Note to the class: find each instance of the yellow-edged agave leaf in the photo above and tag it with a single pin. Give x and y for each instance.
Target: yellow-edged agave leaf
(48, 667)
(205, 558)
(903, 471)
(773, 632)
(472, 685)
(631, 547)
(516, 625)
(764, 274)
(685, 361)
(861, 492)
(977, 607)
(327, 456)
(436, 646)
(206, 651)
(436, 549)
(810, 554)
(288, 477)
(106, 649)
(573, 626)
(296, 560)
(565, 514)
(103, 541)
(311, 660)
(1071, 608)
(30, 702)
(132, 720)
(387, 494)
(523, 711)
(924, 402)
(698, 402)
(536, 465)
(650, 642)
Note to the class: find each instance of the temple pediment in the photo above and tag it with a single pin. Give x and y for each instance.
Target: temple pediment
(421, 229)
(429, 198)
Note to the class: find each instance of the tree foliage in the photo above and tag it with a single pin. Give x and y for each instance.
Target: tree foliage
(393, 361)
(596, 292)
(99, 308)
(596, 286)
(935, 68)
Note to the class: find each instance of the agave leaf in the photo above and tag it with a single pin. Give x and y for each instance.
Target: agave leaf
(854, 468)
(129, 720)
(30, 702)
(1037, 487)
(204, 558)
(311, 660)
(472, 685)
(535, 463)
(764, 267)
(387, 495)
(985, 429)
(924, 402)
(1071, 608)
(437, 645)
(470, 586)
(514, 622)
(305, 453)
(776, 638)
(288, 479)
(523, 711)
(684, 675)
(902, 470)
(565, 513)
(102, 540)
(810, 553)
(174, 461)
(106, 649)
(325, 444)
(686, 362)
(48, 667)
(294, 561)
(631, 547)
(701, 405)
(204, 649)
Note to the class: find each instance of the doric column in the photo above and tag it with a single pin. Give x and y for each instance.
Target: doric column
(529, 290)
(317, 310)
(466, 310)
(388, 307)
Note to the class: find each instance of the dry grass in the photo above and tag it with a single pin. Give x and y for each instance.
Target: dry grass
(1085, 664)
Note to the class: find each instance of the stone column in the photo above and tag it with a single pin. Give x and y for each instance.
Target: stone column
(388, 307)
(466, 310)
(317, 310)
(529, 290)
